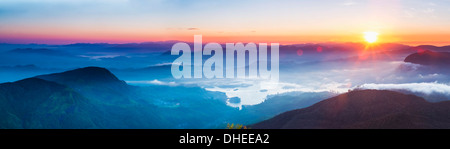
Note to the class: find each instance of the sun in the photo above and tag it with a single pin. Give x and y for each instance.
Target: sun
(371, 37)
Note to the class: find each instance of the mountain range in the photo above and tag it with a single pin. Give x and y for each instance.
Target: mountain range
(93, 97)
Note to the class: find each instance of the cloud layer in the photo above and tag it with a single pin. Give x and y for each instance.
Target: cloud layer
(427, 88)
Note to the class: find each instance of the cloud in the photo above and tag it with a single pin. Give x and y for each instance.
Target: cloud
(98, 57)
(193, 29)
(165, 64)
(426, 88)
(428, 10)
(157, 82)
(429, 76)
(154, 82)
(259, 90)
(349, 3)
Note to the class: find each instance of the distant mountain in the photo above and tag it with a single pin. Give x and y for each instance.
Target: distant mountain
(428, 57)
(90, 81)
(432, 48)
(84, 76)
(40, 51)
(365, 109)
(159, 71)
(20, 67)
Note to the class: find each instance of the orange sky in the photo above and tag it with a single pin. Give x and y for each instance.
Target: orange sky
(410, 22)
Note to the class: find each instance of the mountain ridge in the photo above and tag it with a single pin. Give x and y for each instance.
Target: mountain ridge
(367, 109)
(103, 101)
(429, 58)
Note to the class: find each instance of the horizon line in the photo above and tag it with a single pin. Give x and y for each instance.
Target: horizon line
(414, 44)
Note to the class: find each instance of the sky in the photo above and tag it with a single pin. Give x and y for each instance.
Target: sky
(284, 21)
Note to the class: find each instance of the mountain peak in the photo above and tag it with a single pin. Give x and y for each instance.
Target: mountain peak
(87, 75)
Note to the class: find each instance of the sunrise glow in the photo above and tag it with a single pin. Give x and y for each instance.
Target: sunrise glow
(371, 37)
(405, 22)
